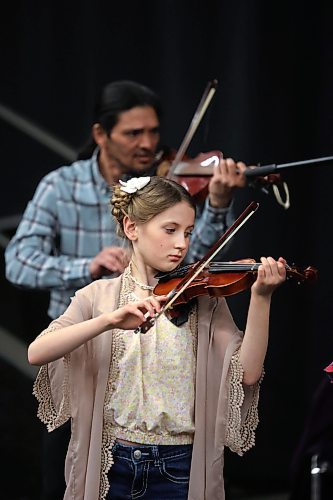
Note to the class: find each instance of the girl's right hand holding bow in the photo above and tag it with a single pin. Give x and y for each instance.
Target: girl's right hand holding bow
(133, 314)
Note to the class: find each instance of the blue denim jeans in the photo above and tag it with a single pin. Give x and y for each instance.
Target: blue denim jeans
(150, 472)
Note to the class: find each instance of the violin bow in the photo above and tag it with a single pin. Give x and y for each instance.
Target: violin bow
(200, 265)
(207, 96)
(272, 168)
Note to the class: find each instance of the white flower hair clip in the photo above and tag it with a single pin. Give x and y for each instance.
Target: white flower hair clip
(134, 184)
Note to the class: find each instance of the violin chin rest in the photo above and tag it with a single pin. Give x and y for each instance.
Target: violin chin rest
(179, 315)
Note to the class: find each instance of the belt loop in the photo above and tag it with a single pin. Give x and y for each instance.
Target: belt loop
(156, 455)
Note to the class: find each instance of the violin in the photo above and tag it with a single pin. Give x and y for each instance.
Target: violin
(222, 279)
(218, 279)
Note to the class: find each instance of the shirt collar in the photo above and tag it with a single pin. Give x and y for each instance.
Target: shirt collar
(97, 176)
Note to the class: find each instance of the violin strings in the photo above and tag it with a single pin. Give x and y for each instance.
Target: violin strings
(233, 266)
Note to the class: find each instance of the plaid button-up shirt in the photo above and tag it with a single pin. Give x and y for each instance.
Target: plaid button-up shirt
(68, 222)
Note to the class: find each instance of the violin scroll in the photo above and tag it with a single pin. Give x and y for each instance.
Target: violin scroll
(309, 274)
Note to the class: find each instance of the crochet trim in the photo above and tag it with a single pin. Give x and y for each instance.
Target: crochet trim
(240, 436)
(117, 349)
(47, 412)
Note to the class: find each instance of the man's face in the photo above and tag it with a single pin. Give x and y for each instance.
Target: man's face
(132, 143)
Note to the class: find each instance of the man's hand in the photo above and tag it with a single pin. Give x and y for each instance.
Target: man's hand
(109, 260)
(227, 176)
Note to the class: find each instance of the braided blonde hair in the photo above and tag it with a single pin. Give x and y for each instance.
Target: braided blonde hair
(158, 195)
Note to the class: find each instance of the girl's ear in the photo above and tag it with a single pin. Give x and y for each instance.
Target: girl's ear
(130, 228)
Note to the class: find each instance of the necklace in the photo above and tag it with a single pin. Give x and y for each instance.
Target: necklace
(137, 282)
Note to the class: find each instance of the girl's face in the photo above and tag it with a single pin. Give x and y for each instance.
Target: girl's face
(162, 242)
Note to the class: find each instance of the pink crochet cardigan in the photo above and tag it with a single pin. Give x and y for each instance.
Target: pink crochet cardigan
(75, 388)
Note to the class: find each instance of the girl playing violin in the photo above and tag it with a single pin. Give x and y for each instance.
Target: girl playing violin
(151, 413)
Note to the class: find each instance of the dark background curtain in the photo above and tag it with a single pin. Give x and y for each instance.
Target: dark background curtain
(274, 104)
